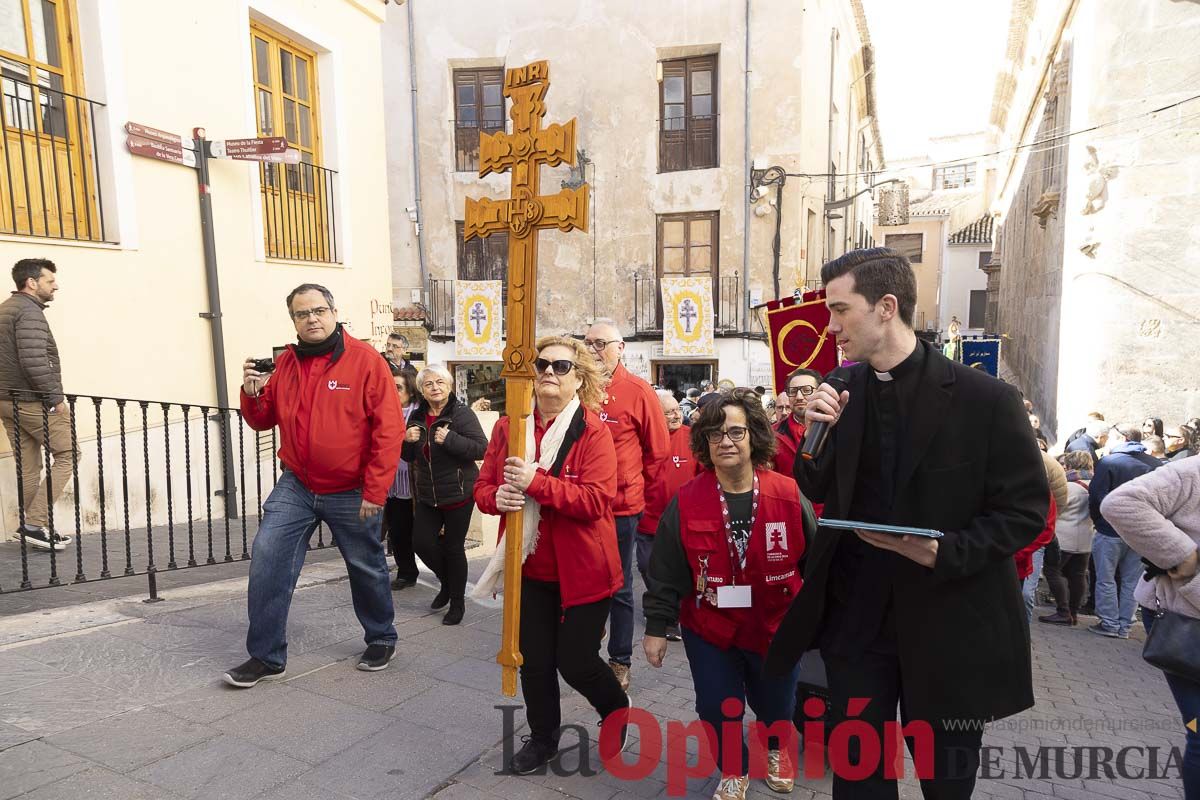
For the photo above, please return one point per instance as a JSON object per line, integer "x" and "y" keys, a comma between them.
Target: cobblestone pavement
{"x": 118, "y": 699}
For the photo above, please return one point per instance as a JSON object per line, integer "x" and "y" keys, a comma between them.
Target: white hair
{"x": 664, "y": 394}
{"x": 611, "y": 323}
{"x": 1095, "y": 427}
{"x": 435, "y": 369}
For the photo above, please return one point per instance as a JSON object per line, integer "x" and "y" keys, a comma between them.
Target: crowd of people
{"x": 716, "y": 498}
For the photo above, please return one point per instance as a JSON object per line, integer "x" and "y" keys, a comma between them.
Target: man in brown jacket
{"x": 32, "y": 406}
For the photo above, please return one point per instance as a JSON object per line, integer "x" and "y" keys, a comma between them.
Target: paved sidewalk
{"x": 119, "y": 699}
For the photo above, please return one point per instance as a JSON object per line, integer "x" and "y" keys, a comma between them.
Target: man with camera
{"x": 340, "y": 427}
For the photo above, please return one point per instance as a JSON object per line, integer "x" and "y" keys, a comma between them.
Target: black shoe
{"x": 532, "y": 756}
{"x": 625, "y": 729}
{"x": 403, "y": 583}
{"x": 250, "y": 673}
{"x": 376, "y": 657}
{"x": 673, "y": 634}
{"x": 1058, "y": 618}
{"x": 455, "y": 614}
{"x": 42, "y": 539}
{"x": 442, "y": 599}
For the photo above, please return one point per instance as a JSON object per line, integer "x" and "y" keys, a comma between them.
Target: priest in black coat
{"x": 934, "y": 626}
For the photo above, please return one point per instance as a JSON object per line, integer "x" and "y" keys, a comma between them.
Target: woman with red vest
{"x": 726, "y": 563}
{"x": 571, "y": 570}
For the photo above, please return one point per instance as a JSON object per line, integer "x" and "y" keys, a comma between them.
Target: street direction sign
{"x": 146, "y": 132}
{"x": 240, "y": 148}
{"x": 163, "y": 151}
{"x": 289, "y": 156}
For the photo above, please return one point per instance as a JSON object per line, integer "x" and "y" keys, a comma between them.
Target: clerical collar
{"x": 909, "y": 364}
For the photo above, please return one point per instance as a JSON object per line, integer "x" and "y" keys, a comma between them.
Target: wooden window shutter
{"x": 672, "y": 125}
{"x": 702, "y": 112}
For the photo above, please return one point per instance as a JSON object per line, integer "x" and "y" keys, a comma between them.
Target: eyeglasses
{"x": 804, "y": 390}
{"x": 598, "y": 344}
{"x": 561, "y": 366}
{"x": 735, "y": 434}
{"x": 440, "y": 382}
{"x": 305, "y": 313}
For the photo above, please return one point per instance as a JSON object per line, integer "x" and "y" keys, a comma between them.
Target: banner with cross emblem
{"x": 687, "y": 316}
{"x": 477, "y": 320}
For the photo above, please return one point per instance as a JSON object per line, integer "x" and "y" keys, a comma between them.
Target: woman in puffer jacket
{"x": 1158, "y": 515}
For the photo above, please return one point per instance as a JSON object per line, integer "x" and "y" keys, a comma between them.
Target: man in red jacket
{"x": 790, "y": 430}
{"x": 340, "y": 428}
{"x": 633, "y": 416}
{"x": 679, "y": 467}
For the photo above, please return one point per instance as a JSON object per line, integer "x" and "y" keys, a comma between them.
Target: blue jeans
{"x": 1030, "y": 584}
{"x": 1115, "y": 604}
{"x": 721, "y": 674}
{"x": 620, "y": 616}
{"x": 290, "y": 515}
{"x": 1187, "y": 697}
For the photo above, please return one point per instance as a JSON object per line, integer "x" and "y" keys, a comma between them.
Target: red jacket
{"x": 790, "y": 436}
{"x": 679, "y": 467}
{"x": 351, "y": 413}
{"x": 577, "y": 537}
{"x": 772, "y": 568}
{"x": 633, "y": 415}
{"x": 1024, "y": 556}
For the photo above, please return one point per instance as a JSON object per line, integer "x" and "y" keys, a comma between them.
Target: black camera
{"x": 265, "y": 365}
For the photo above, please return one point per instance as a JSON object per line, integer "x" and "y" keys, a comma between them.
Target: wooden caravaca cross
{"x": 523, "y": 152}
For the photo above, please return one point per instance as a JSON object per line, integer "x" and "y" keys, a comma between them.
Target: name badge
{"x": 733, "y": 596}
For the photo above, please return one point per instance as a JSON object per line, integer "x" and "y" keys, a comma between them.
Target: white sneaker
{"x": 781, "y": 775}
{"x": 732, "y": 788}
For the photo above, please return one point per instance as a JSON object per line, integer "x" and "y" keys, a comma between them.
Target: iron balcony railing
{"x": 466, "y": 142}
{"x": 728, "y": 305}
{"x": 300, "y": 211}
{"x": 49, "y": 184}
{"x": 155, "y": 487}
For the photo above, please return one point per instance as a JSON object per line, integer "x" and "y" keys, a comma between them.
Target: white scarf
{"x": 491, "y": 582}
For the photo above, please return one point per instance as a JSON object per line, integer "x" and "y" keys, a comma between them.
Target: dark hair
{"x": 1078, "y": 460}
{"x": 878, "y": 271}
{"x": 310, "y": 287}
{"x": 399, "y": 337}
{"x": 28, "y": 268}
{"x": 410, "y": 382}
{"x": 796, "y": 373}
{"x": 1156, "y": 425}
{"x": 763, "y": 443}
{"x": 693, "y": 393}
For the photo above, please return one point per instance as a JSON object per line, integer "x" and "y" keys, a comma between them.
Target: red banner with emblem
{"x": 798, "y": 331}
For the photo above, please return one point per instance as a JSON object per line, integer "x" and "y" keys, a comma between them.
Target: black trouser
{"x": 876, "y": 676}
{"x": 553, "y": 642}
{"x": 1067, "y": 579}
{"x": 439, "y": 538}
{"x": 1052, "y": 572}
{"x": 399, "y": 513}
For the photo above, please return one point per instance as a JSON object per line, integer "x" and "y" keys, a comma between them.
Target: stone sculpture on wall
{"x": 1097, "y": 187}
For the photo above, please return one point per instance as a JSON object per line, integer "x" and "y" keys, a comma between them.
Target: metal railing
{"x": 299, "y": 211}
{"x": 687, "y": 142}
{"x": 439, "y": 317}
{"x": 466, "y": 143}
{"x": 49, "y": 185}
{"x": 186, "y": 471}
{"x": 728, "y": 305}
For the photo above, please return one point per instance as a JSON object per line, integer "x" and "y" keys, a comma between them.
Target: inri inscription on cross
{"x": 523, "y": 152}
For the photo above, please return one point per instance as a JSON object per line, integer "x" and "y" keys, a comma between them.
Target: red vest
{"x": 676, "y": 470}
{"x": 772, "y": 560}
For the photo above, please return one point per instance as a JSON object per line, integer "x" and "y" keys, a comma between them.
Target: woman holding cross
{"x": 571, "y": 569}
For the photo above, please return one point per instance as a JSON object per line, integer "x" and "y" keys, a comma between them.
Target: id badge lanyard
{"x": 737, "y": 562}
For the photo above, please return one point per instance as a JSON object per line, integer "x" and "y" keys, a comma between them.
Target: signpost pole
{"x": 213, "y": 315}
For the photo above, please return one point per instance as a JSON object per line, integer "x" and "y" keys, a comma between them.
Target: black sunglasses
{"x": 561, "y": 366}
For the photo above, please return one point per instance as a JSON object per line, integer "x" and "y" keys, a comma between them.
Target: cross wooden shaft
{"x": 523, "y": 152}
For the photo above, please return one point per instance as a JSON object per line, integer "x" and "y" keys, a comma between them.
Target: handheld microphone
{"x": 818, "y": 432}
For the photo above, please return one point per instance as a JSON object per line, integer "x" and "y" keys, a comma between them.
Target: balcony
{"x": 299, "y": 212}
{"x": 439, "y": 316}
{"x": 728, "y": 305}
{"x": 49, "y": 186}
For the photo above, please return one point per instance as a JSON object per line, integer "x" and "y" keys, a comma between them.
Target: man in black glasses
{"x": 340, "y": 427}
{"x": 790, "y": 430}
{"x": 634, "y": 417}
{"x": 933, "y": 627}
